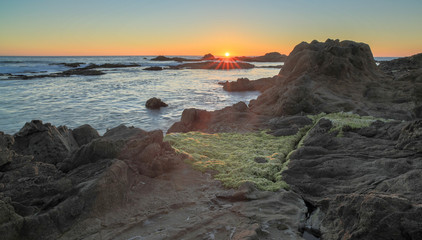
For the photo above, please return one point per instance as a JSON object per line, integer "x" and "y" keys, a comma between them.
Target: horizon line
{"x": 159, "y": 55}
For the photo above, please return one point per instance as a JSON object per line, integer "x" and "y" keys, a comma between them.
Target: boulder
{"x": 155, "y": 103}
{"x": 84, "y": 134}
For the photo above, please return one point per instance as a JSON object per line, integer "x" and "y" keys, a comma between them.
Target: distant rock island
{"x": 348, "y": 135}
{"x": 268, "y": 57}
{"x": 208, "y": 56}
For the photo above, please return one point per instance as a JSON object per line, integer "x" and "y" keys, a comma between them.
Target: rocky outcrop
{"x": 361, "y": 185}
{"x": 54, "y": 177}
{"x": 244, "y": 84}
{"x": 229, "y": 119}
{"x": 44, "y": 142}
{"x": 155, "y": 103}
{"x": 215, "y": 65}
{"x": 335, "y": 76}
{"x": 268, "y": 57}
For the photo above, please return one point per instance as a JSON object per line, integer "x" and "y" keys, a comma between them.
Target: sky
{"x": 197, "y": 27}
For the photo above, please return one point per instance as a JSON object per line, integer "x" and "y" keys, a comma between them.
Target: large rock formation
{"x": 51, "y": 178}
{"x": 335, "y": 76}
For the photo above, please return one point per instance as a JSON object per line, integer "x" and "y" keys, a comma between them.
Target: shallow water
{"x": 118, "y": 97}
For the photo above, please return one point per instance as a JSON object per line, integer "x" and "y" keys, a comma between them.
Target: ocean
{"x": 118, "y": 97}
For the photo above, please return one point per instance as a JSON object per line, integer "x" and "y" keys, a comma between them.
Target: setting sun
{"x": 227, "y": 54}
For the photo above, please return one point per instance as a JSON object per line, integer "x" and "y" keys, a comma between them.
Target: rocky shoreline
{"x": 349, "y": 176}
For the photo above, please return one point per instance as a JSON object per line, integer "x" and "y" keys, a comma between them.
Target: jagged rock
{"x": 360, "y": 184}
{"x": 37, "y": 200}
{"x": 84, "y": 134}
{"x": 155, "y": 103}
{"x": 45, "y": 142}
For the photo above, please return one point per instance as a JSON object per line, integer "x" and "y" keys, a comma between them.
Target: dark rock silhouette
{"x": 268, "y": 57}
{"x": 208, "y": 56}
{"x": 155, "y": 103}
{"x": 153, "y": 68}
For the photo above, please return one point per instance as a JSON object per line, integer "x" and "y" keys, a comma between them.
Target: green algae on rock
{"x": 234, "y": 156}
{"x": 345, "y": 119}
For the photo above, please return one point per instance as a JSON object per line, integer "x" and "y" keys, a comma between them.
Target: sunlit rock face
{"x": 334, "y": 76}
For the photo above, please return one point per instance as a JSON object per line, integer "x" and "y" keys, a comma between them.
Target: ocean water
{"x": 118, "y": 97}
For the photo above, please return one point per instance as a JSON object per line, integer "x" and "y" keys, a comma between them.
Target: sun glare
{"x": 227, "y": 54}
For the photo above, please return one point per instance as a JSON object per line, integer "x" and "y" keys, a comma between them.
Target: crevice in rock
{"x": 310, "y": 224}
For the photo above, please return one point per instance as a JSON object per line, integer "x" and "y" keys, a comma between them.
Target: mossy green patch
{"x": 342, "y": 119}
{"x": 232, "y": 156}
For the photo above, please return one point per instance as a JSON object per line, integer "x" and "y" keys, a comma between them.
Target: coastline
{"x": 347, "y": 174}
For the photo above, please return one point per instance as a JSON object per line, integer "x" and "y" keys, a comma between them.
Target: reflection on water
{"x": 117, "y": 97}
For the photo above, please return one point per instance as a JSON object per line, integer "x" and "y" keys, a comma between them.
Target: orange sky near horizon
{"x": 243, "y": 28}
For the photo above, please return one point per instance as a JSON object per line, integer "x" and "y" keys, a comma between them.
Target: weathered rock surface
{"x": 360, "y": 187}
{"x": 336, "y": 76}
{"x": 268, "y": 57}
{"x": 54, "y": 177}
{"x": 155, "y": 103}
{"x": 244, "y": 84}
